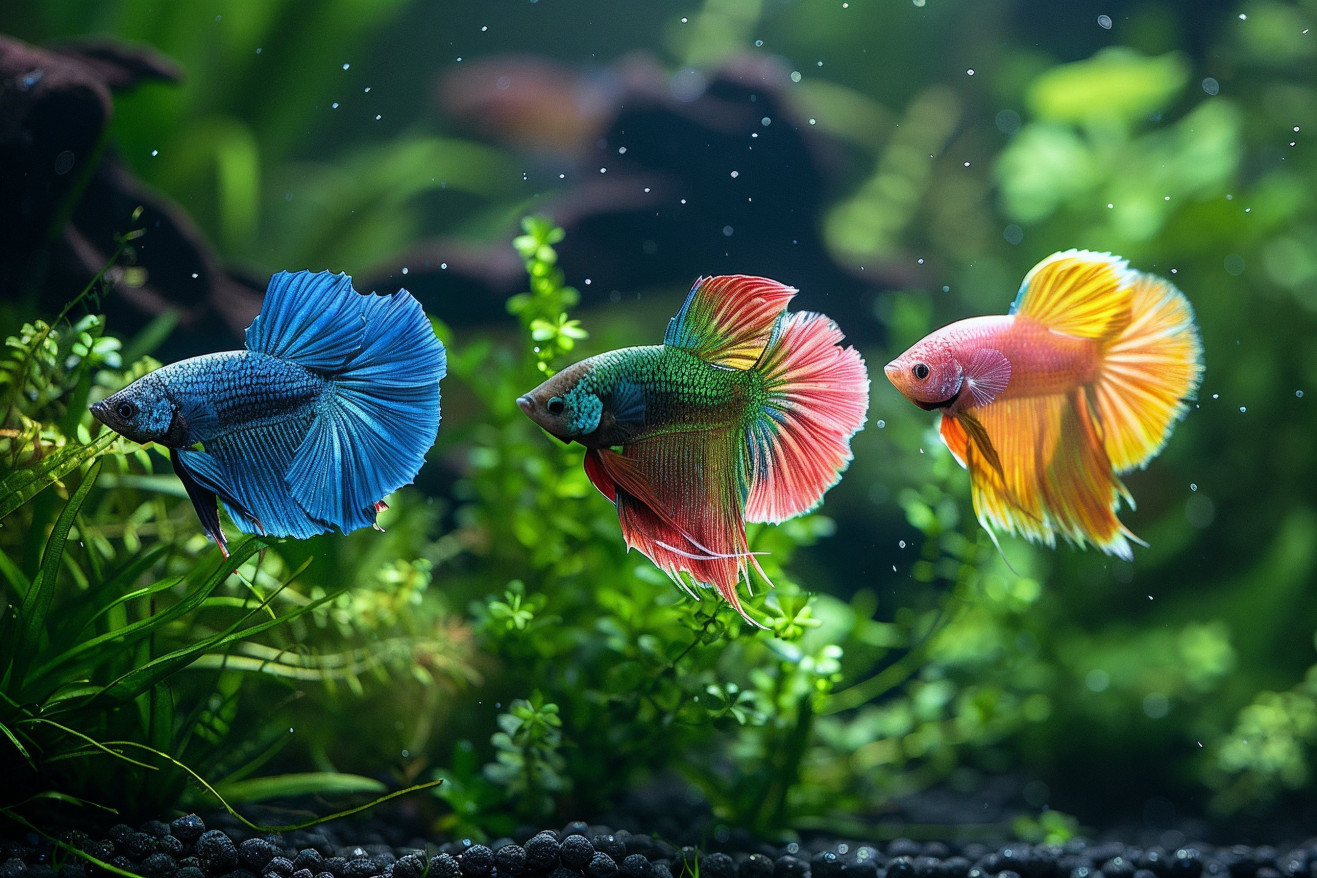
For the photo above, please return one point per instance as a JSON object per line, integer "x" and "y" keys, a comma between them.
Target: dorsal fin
{"x": 1077, "y": 293}
{"x": 314, "y": 320}
{"x": 729, "y": 320}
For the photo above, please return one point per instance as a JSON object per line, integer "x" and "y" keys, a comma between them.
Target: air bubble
{"x": 1104, "y": 22}
{"x": 1211, "y": 86}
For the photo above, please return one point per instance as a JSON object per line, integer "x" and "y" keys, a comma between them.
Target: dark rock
{"x": 755, "y": 866}
{"x": 638, "y": 866}
{"x": 607, "y": 843}
{"x": 576, "y": 851}
{"x": 510, "y": 859}
{"x": 825, "y": 864}
{"x": 542, "y": 852}
{"x": 601, "y": 866}
{"x": 279, "y": 867}
{"x": 310, "y": 859}
{"x": 188, "y": 828}
{"x": 159, "y": 866}
{"x": 13, "y": 868}
{"x": 217, "y": 852}
{"x": 444, "y": 866}
{"x": 787, "y": 866}
{"x": 255, "y": 853}
{"x": 410, "y": 866}
{"x": 478, "y": 860}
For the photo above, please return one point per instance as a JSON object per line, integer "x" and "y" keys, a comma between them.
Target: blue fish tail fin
{"x": 378, "y": 418}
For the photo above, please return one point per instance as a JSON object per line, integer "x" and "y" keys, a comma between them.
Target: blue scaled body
{"x": 332, "y": 406}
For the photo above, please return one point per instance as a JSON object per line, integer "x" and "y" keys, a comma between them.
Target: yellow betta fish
{"x": 1046, "y": 406}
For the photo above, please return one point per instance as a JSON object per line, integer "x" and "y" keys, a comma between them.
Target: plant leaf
{"x": 21, "y": 486}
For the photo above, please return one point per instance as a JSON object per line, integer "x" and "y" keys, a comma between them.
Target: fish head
{"x": 567, "y": 405}
{"x": 929, "y": 374}
{"x": 143, "y": 412}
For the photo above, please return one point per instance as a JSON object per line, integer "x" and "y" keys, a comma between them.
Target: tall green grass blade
{"x": 22, "y": 485}
{"x": 331, "y": 783}
{"x": 36, "y": 603}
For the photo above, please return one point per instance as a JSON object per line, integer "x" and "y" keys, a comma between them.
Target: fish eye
{"x": 555, "y": 405}
{"x": 920, "y": 371}
{"x": 126, "y": 410}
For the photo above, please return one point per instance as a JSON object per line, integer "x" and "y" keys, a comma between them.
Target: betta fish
{"x": 1048, "y": 405}
{"x": 332, "y": 406}
{"x": 744, "y": 413}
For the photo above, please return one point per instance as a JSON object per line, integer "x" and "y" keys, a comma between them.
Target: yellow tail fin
{"x": 1146, "y": 373}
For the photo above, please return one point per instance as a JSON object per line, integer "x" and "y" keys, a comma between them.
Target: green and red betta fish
{"x": 332, "y": 406}
{"x": 744, "y": 413}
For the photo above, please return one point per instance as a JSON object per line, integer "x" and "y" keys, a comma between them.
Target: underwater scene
{"x": 718, "y": 438}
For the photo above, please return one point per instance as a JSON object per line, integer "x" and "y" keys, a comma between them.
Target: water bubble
{"x": 1243, "y": 409}
{"x": 334, "y": 106}
{"x": 155, "y": 152}
{"x": 766, "y": 121}
{"x": 1097, "y": 680}
{"x": 1104, "y": 22}
{"x": 195, "y": 275}
{"x": 1013, "y": 234}
{"x": 64, "y": 162}
{"x": 603, "y": 170}
{"x": 880, "y": 423}
{"x": 1299, "y": 394}
{"x": 1211, "y": 86}
{"x": 813, "y": 121}
{"x": 919, "y": 3}
{"x": 1193, "y": 486}
{"x": 900, "y": 544}
{"x": 759, "y": 44}
{"x": 405, "y": 269}
{"x": 1156, "y": 705}
{"x": 735, "y": 174}
{"x": 366, "y": 89}
{"x": 727, "y": 231}
{"x": 346, "y": 66}
{"x": 378, "y": 117}
{"x": 1234, "y": 264}
{"x": 1008, "y": 121}
{"x": 795, "y": 77}
{"x": 969, "y": 72}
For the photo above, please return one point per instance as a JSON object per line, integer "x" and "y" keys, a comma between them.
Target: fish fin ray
{"x": 377, "y": 419}
{"x": 1147, "y": 373}
{"x": 978, "y": 434}
{"x": 1055, "y": 477}
{"x": 987, "y": 375}
{"x": 729, "y": 320}
{"x": 679, "y": 504}
{"x": 1077, "y": 293}
{"x": 313, "y": 319}
{"x": 246, "y": 470}
{"x": 817, "y": 397}
{"x": 598, "y": 475}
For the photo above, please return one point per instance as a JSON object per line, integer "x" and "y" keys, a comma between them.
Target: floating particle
{"x": 795, "y": 77}
{"x": 346, "y": 66}
{"x": 880, "y": 423}
{"x": 1211, "y": 86}
{"x": 1104, "y": 22}
{"x": 727, "y": 231}
{"x": 735, "y": 174}
{"x": 334, "y": 106}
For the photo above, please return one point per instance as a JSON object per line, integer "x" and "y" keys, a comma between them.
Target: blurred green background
{"x": 949, "y": 146}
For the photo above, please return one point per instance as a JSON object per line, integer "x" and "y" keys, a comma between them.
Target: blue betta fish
{"x": 332, "y": 406}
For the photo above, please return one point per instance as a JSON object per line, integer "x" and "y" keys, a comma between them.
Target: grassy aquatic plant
{"x": 125, "y": 658}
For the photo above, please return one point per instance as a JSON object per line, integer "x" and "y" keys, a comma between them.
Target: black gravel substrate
{"x": 188, "y": 848}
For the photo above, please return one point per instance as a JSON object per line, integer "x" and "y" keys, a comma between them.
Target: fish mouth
{"x": 526, "y": 404}
{"x": 892, "y": 370}
{"x": 101, "y": 412}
